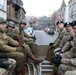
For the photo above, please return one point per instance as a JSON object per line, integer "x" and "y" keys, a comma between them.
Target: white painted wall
{"x": 66, "y": 15}
{"x": 3, "y": 14}
{"x": 70, "y": 8}
{"x": 3, "y": 9}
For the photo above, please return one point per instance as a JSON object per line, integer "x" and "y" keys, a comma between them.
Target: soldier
{"x": 10, "y": 51}
{"x": 10, "y": 48}
{"x": 9, "y": 31}
{"x": 63, "y": 47}
{"x": 29, "y": 42}
{"x": 67, "y": 60}
{"x": 62, "y": 31}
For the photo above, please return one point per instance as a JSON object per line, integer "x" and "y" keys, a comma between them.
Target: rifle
{"x": 20, "y": 38}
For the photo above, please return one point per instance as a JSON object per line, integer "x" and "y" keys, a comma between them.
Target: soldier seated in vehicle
{"x": 67, "y": 60}
{"x": 12, "y": 52}
{"x": 29, "y": 42}
{"x": 57, "y": 42}
{"x": 9, "y": 31}
{"x": 64, "y": 45}
{"x": 11, "y": 49}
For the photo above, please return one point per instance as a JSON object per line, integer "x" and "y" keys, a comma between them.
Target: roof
{"x": 63, "y": 4}
{"x": 24, "y": 10}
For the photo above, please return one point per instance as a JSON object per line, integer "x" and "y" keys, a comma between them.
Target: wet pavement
{"x": 43, "y": 38}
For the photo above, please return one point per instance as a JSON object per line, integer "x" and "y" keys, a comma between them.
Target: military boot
{"x": 55, "y": 70}
{"x": 36, "y": 60}
{"x": 22, "y": 72}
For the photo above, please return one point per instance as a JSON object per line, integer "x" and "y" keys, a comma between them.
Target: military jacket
{"x": 6, "y": 41}
{"x": 65, "y": 45}
{"x": 70, "y": 56}
{"x": 60, "y": 36}
{"x": 11, "y": 34}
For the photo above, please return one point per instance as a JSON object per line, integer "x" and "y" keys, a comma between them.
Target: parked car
{"x": 51, "y": 32}
{"x": 46, "y": 29}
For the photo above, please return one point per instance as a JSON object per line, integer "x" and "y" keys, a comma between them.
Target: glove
{"x": 61, "y": 52}
{"x": 52, "y": 47}
{"x": 33, "y": 37}
{"x": 50, "y": 44}
{"x": 70, "y": 39}
{"x": 58, "y": 53}
{"x": 57, "y": 59}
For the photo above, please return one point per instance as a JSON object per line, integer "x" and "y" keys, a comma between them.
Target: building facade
{"x": 66, "y": 14}
{"x": 60, "y": 14}
{"x": 3, "y": 9}
{"x": 15, "y": 11}
{"x": 63, "y": 13}
{"x": 72, "y": 10}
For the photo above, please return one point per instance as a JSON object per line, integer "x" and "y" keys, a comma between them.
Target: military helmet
{"x": 11, "y": 24}
{"x": 59, "y": 22}
{"x": 2, "y": 20}
{"x": 23, "y": 22}
{"x": 67, "y": 24}
{"x": 73, "y": 23}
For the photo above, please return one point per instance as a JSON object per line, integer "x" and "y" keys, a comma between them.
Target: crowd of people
{"x": 16, "y": 46}
{"x": 62, "y": 52}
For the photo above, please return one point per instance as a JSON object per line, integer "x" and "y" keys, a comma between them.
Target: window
{"x": 16, "y": 14}
{"x": 8, "y": 8}
{"x": 74, "y": 5}
{"x": 17, "y": 1}
{"x": 3, "y": 5}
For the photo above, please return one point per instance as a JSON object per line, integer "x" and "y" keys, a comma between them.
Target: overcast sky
{"x": 41, "y": 7}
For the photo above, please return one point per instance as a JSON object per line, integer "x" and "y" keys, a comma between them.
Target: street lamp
{"x": 49, "y": 14}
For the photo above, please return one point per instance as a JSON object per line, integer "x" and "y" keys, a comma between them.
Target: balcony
{"x": 16, "y": 2}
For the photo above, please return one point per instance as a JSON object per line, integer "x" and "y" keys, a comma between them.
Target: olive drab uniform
{"x": 73, "y": 72}
{"x": 60, "y": 37}
{"x": 31, "y": 43}
{"x": 50, "y": 53}
{"x": 68, "y": 60}
{"x": 64, "y": 45}
{"x": 15, "y": 37}
{"x": 30, "y": 54}
{"x": 11, "y": 34}
{"x": 27, "y": 41}
{"x": 14, "y": 52}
